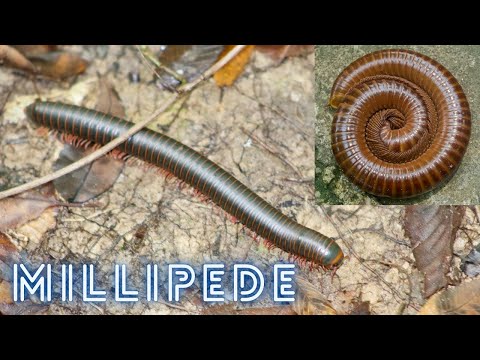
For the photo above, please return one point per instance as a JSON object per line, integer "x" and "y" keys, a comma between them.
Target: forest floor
{"x": 262, "y": 131}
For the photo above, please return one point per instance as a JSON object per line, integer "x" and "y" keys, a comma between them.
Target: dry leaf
{"x": 432, "y": 231}
{"x": 94, "y": 179}
{"x": 280, "y": 52}
{"x": 23, "y": 309}
{"x": 29, "y": 50}
{"x": 14, "y": 58}
{"x": 310, "y": 301}
{"x": 361, "y": 308}
{"x": 461, "y": 300}
{"x": 59, "y": 65}
{"x": 187, "y": 61}
{"x": 108, "y": 99}
{"x": 230, "y": 309}
{"x": 471, "y": 263}
{"x": 5, "y": 293}
{"x": 9, "y": 255}
{"x": 227, "y": 75}
{"x": 18, "y": 210}
{"x": 6, "y": 246}
{"x": 34, "y": 230}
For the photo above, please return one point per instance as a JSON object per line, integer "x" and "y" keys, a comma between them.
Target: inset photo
{"x": 397, "y": 124}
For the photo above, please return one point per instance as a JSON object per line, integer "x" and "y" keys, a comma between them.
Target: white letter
{"x": 182, "y": 282}
{"x": 152, "y": 282}
{"x": 66, "y": 276}
{"x": 285, "y": 277}
{"x": 89, "y": 292}
{"x": 121, "y": 292}
{"x": 37, "y": 281}
{"x": 253, "y": 273}
{"x": 213, "y": 292}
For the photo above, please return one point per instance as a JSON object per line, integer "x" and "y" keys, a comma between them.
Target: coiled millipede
{"x": 196, "y": 170}
{"x": 402, "y": 123}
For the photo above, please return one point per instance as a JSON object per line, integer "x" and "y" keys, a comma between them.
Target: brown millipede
{"x": 196, "y": 170}
{"x": 402, "y": 123}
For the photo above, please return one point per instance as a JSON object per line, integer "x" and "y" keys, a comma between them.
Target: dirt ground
{"x": 275, "y": 103}
{"x": 332, "y": 187}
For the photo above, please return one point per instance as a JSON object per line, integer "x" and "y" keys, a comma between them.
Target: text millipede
{"x": 402, "y": 123}
{"x": 196, "y": 170}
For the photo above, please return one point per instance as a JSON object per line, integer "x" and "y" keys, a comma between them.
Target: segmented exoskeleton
{"x": 196, "y": 170}
{"x": 402, "y": 124}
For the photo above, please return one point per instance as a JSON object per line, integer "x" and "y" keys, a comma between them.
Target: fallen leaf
{"x": 310, "y": 301}
{"x": 280, "y": 52}
{"x": 227, "y": 75}
{"x": 29, "y": 50}
{"x": 108, "y": 99}
{"x": 18, "y": 210}
{"x": 94, "y": 179}
{"x": 432, "y": 231}
{"x": 8, "y": 256}
{"x": 361, "y": 308}
{"x": 26, "y": 308}
{"x": 6, "y": 245}
{"x": 460, "y": 300}
{"x": 471, "y": 263}
{"x": 8, "y": 253}
{"x": 5, "y": 293}
{"x": 15, "y": 59}
{"x": 59, "y": 65}
{"x": 230, "y": 309}
{"x": 35, "y": 229}
{"x": 186, "y": 61}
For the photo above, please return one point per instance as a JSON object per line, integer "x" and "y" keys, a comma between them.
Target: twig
{"x": 217, "y": 66}
{"x": 150, "y": 58}
{"x": 130, "y": 132}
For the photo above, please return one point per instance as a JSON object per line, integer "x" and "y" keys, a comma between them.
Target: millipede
{"x": 196, "y": 170}
{"x": 402, "y": 123}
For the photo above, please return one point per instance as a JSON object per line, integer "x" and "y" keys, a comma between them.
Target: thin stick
{"x": 130, "y": 132}
{"x": 149, "y": 59}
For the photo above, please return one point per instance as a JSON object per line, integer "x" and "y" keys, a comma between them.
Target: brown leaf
{"x": 230, "y": 309}
{"x": 108, "y": 99}
{"x": 59, "y": 65}
{"x": 94, "y": 179}
{"x": 29, "y": 50}
{"x": 460, "y": 300}
{"x": 26, "y": 308}
{"x": 5, "y": 293}
{"x": 6, "y": 245}
{"x": 9, "y": 255}
{"x": 227, "y": 75}
{"x": 188, "y": 61}
{"x": 280, "y": 52}
{"x": 432, "y": 231}
{"x": 15, "y": 59}
{"x": 18, "y": 210}
{"x": 361, "y": 308}
{"x": 310, "y": 301}
{"x": 471, "y": 263}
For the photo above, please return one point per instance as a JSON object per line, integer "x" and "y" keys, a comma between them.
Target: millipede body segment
{"x": 196, "y": 170}
{"x": 402, "y": 123}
